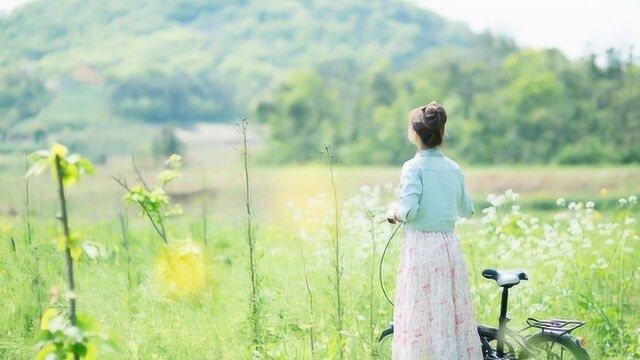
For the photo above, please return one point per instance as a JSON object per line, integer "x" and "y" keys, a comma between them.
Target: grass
{"x": 587, "y": 271}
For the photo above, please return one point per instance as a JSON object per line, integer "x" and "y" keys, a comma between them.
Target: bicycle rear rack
{"x": 556, "y": 326}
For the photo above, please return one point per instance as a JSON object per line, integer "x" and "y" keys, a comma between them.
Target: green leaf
{"x": 38, "y": 168}
{"x": 90, "y": 249}
{"x": 48, "y": 314}
{"x": 86, "y": 166}
{"x": 44, "y": 353}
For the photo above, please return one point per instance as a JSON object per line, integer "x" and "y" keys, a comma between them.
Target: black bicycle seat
{"x": 505, "y": 278}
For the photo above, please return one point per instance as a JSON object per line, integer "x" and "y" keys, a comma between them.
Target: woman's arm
{"x": 410, "y": 192}
{"x": 465, "y": 203}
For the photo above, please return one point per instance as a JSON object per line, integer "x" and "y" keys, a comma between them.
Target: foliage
{"x": 572, "y": 254}
{"x": 177, "y": 98}
{"x": 72, "y": 166}
{"x": 22, "y": 96}
{"x": 60, "y": 340}
{"x": 153, "y": 201}
{"x": 504, "y": 107}
{"x": 344, "y": 73}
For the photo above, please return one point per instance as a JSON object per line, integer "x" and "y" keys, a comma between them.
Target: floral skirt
{"x": 434, "y": 317}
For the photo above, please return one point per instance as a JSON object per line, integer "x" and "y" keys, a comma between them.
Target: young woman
{"x": 434, "y": 317}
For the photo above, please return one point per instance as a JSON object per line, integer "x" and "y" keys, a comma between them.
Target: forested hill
{"x": 340, "y": 72}
{"x": 227, "y": 38}
{"x": 220, "y": 55}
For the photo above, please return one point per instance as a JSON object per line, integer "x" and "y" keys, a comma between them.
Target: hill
{"x": 97, "y": 74}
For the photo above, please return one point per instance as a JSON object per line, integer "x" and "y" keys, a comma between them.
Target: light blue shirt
{"x": 432, "y": 192}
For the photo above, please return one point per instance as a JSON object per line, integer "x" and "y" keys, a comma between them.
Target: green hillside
{"x": 316, "y": 71}
{"x": 216, "y": 56}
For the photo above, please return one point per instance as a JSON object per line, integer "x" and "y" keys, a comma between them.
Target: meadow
{"x": 573, "y": 228}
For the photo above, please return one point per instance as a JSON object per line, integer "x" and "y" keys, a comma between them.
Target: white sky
{"x": 8, "y": 5}
{"x": 570, "y": 25}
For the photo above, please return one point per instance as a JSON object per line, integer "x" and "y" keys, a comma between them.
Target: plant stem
{"x": 204, "y": 211}
{"x": 29, "y": 235}
{"x": 251, "y": 241}
{"x": 330, "y": 158}
{"x": 159, "y": 228}
{"x": 65, "y": 226}
{"x": 162, "y": 231}
{"x": 309, "y": 297}
{"x": 27, "y": 204}
{"x": 124, "y": 230}
{"x": 372, "y": 323}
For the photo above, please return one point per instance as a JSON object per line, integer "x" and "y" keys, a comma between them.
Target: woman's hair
{"x": 428, "y": 122}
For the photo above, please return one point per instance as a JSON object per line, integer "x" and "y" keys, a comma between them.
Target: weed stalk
{"x": 254, "y": 316}
{"x": 337, "y": 262}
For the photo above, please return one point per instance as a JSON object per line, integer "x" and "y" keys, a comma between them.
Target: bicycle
{"x": 553, "y": 341}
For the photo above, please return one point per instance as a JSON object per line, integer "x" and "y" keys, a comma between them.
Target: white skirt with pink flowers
{"x": 434, "y": 317}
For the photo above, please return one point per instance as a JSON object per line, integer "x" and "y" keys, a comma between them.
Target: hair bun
{"x": 433, "y": 116}
{"x": 428, "y": 122}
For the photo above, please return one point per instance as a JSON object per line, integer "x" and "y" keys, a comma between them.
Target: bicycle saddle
{"x": 505, "y": 278}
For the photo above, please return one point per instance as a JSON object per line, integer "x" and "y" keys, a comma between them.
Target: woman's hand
{"x": 391, "y": 216}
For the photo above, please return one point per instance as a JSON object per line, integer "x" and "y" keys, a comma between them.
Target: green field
{"x": 581, "y": 258}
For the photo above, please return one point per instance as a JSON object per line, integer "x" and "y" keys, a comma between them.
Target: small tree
{"x": 78, "y": 336}
{"x": 180, "y": 267}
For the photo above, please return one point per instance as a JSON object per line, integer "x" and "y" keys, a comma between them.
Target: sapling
{"x": 180, "y": 265}
{"x": 77, "y": 336}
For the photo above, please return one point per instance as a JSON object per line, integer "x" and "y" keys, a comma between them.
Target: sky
{"x": 574, "y": 26}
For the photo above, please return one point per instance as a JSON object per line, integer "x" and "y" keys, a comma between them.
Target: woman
{"x": 434, "y": 316}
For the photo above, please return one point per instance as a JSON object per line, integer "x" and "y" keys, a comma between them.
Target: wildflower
{"x": 603, "y": 192}
{"x": 622, "y": 201}
{"x": 180, "y": 269}
{"x": 174, "y": 161}
{"x": 560, "y": 202}
{"x": 633, "y": 199}
{"x": 590, "y": 204}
